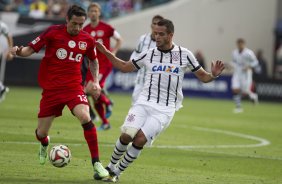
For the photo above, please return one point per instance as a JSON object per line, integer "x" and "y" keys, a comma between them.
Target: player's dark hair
{"x": 157, "y": 17}
{"x": 168, "y": 24}
{"x": 77, "y": 11}
{"x": 241, "y": 40}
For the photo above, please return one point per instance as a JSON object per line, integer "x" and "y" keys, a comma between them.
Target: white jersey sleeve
{"x": 139, "y": 61}
{"x": 192, "y": 63}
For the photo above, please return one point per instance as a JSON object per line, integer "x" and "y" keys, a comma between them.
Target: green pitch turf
{"x": 205, "y": 144}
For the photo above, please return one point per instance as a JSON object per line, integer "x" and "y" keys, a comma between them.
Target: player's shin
{"x": 131, "y": 154}
{"x": 90, "y": 135}
{"x": 118, "y": 152}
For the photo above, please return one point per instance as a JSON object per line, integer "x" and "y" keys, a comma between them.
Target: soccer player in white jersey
{"x": 145, "y": 42}
{"x": 161, "y": 95}
{"x": 6, "y": 42}
{"x": 243, "y": 62}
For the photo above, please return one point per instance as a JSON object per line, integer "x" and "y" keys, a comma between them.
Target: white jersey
{"x": 164, "y": 76}
{"x": 145, "y": 43}
{"x": 242, "y": 61}
{"x": 4, "y": 30}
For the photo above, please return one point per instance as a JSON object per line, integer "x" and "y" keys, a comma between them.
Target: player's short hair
{"x": 168, "y": 24}
{"x": 96, "y": 5}
{"x": 240, "y": 40}
{"x": 77, "y": 11}
{"x": 157, "y": 17}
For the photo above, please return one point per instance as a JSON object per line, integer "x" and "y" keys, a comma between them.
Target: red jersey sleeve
{"x": 40, "y": 41}
{"x": 91, "y": 52}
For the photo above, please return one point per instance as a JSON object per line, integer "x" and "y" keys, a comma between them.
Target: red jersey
{"x": 102, "y": 33}
{"x": 60, "y": 68}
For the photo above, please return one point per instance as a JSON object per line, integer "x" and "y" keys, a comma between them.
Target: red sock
{"x": 90, "y": 135}
{"x": 104, "y": 99}
{"x": 101, "y": 111}
{"x": 44, "y": 140}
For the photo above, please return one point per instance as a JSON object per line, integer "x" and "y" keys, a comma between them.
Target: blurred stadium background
{"x": 208, "y": 27}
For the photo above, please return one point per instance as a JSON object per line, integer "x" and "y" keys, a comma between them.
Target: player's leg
{"x": 41, "y": 132}
{"x": 237, "y": 96}
{"x": 155, "y": 123}
{"x": 80, "y": 109}
{"x": 247, "y": 88}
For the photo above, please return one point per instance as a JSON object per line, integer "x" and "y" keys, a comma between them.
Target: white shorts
{"x": 242, "y": 82}
{"x": 148, "y": 119}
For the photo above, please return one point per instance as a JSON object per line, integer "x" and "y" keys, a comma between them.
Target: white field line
{"x": 261, "y": 141}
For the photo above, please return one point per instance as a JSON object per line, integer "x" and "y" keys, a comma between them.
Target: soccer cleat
{"x": 100, "y": 171}
{"x": 113, "y": 178}
{"x": 238, "y": 110}
{"x": 104, "y": 127}
{"x": 97, "y": 177}
{"x": 3, "y": 93}
{"x": 43, "y": 150}
{"x": 109, "y": 110}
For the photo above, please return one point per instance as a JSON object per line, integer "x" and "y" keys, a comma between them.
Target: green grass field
{"x": 205, "y": 144}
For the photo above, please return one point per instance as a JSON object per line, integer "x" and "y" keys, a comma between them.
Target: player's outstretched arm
{"x": 22, "y": 51}
{"x": 216, "y": 69}
{"x": 117, "y": 63}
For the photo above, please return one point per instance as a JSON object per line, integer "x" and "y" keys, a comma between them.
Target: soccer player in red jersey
{"x": 101, "y": 32}
{"x": 60, "y": 79}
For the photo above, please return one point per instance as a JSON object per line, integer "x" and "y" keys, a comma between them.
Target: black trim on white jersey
{"x": 159, "y": 88}
{"x": 180, "y": 53}
{"x": 161, "y": 60}
{"x": 194, "y": 67}
{"x": 149, "y": 95}
{"x": 197, "y": 68}
{"x": 176, "y": 89}
{"x": 135, "y": 61}
{"x": 151, "y": 60}
{"x": 170, "y": 56}
{"x": 168, "y": 87}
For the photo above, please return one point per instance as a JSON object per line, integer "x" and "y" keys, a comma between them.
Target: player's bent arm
{"x": 94, "y": 69}
{"x": 216, "y": 70}
{"x": 118, "y": 40}
{"x": 22, "y": 51}
{"x": 204, "y": 76}
{"x": 120, "y": 64}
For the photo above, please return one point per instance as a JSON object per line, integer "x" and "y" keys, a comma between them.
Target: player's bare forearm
{"x": 117, "y": 46}
{"x": 94, "y": 69}
{"x": 120, "y": 64}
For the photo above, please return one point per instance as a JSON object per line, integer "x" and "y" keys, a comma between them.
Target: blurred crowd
{"x": 58, "y": 8}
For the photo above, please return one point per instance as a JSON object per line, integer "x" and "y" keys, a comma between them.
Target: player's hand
{"x": 217, "y": 68}
{"x": 101, "y": 47}
{"x": 16, "y": 50}
{"x": 9, "y": 56}
{"x": 93, "y": 88}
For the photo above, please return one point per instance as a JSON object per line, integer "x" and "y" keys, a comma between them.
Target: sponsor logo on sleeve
{"x": 35, "y": 40}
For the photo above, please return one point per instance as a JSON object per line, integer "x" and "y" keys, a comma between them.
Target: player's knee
{"x": 140, "y": 139}
{"x": 130, "y": 131}
{"x": 83, "y": 117}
